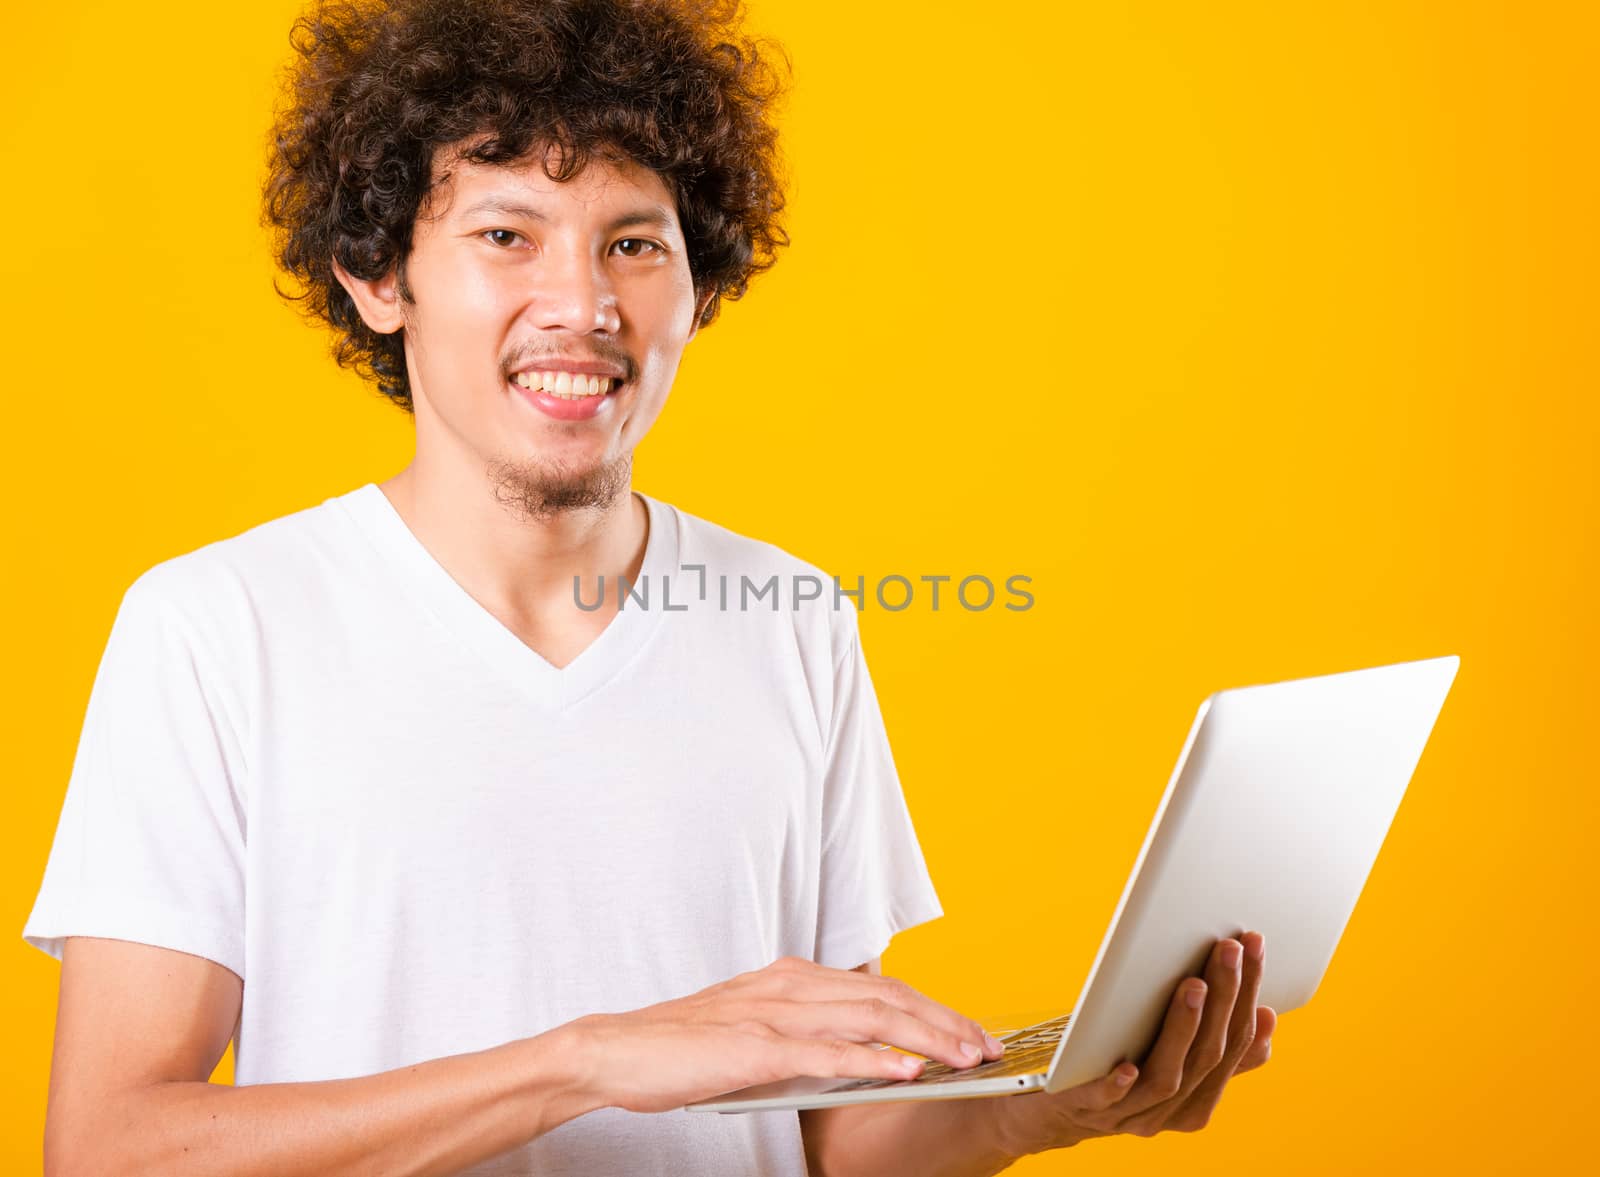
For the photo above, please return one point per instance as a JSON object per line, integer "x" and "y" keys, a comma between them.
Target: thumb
{"x": 1099, "y": 1094}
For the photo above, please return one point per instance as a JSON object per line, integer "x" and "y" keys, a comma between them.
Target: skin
{"x": 140, "y": 1029}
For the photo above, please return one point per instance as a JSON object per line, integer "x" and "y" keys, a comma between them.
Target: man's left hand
{"x": 1213, "y": 1031}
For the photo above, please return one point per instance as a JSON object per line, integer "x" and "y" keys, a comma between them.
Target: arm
{"x": 139, "y": 1030}
{"x": 1212, "y": 1032}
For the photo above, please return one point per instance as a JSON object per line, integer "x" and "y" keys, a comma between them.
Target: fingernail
{"x": 1230, "y": 954}
{"x": 994, "y": 1044}
{"x": 1259, "y": 948}
{"x": 911, "y": 1066}
{"x": 1196, "y": 997}
{"x": 1123, "y": 1078}
{"x": 971, "y": 1052}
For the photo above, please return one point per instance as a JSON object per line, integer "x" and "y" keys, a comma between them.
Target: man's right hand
{"x": 792, "y": 1018}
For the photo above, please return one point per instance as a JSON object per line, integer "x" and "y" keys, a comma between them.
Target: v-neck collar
{"x": 557, "y": 687}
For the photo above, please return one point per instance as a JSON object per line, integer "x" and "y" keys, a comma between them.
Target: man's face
{"x": 525, "y": 291}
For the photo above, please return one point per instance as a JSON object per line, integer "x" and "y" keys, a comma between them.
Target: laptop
{"x": 1271, "y": 822}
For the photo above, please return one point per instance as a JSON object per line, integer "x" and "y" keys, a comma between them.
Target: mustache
{"x": 602, "y": 353}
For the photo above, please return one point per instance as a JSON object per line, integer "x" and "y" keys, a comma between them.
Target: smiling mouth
{"x": 566, "y": 385}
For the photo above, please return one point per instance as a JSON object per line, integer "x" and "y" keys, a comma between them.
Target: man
{"x": 475, "y": 873}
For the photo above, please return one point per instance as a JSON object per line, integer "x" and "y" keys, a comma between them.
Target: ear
{"x": 700, "y": 309}
{"x": 377, "y": 301}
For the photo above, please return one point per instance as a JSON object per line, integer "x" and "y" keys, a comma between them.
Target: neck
{"x": 521, "y": 569}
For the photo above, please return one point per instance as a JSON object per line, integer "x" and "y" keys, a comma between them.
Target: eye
{"x": 496, "y": 236}
{"x": 640, "y": 241}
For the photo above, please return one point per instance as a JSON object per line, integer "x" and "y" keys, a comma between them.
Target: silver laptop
{"x": 1271, "y": 822}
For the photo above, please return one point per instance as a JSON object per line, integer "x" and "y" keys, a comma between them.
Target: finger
{"x": 1099, "y": 1094}
{"x": 797, "y": 979}
{"x": 839, "y": 1058}
{"x": 1211, "y": 1039}
{"x": 1195, "y": 1110}
{"x": 1242, "y": 1030}
{"x": 902, "y": 996}
{"x": 869, "y": 1019}
{"x": 1163, "y": 1068}
{"x": 1261, "y": 1049}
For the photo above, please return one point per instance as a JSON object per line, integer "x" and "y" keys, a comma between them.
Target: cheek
{"x": 458, "y": 287}
{"x": 649, "y": 393}
{"x": 467, "y": 303}
{"x": 459, "y": 330}
{"x": 647, "y": 410}
{"x": 663, "y": 306}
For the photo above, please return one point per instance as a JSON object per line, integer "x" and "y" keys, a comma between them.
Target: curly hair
{"x": 378, "y": 88}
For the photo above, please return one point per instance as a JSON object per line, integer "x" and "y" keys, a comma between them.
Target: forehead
{"x": 602, "y": 187}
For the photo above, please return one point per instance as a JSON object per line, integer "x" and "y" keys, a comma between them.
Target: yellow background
{"x": 1260, "y": 335}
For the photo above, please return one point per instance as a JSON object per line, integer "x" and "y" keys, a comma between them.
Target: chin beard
{"x": 534, "y": 490}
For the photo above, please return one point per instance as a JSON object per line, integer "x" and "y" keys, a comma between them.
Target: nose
{"x": 573, "y": 291}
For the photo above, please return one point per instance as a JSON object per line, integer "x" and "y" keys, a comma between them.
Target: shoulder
{"x": 701, "y": 538}
{"x": 756, "y": 577}
{"x": 279, "y": 549}
{"x": 218, "y": 594}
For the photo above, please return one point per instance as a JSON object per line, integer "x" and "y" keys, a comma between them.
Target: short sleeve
{"x": 150, "y": 843}
{"x": 874, "y": 881}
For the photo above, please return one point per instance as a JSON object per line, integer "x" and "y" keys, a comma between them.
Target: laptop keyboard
{"x": 1028, "y": 1052}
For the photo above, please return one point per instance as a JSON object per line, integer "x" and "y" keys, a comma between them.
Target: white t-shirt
{"x": 311, "y": 756}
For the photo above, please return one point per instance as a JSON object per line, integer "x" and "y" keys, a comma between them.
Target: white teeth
{"x": 566, "y": 385}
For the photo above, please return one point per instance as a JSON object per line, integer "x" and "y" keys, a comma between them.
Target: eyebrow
{"x": 655, "y": 216}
